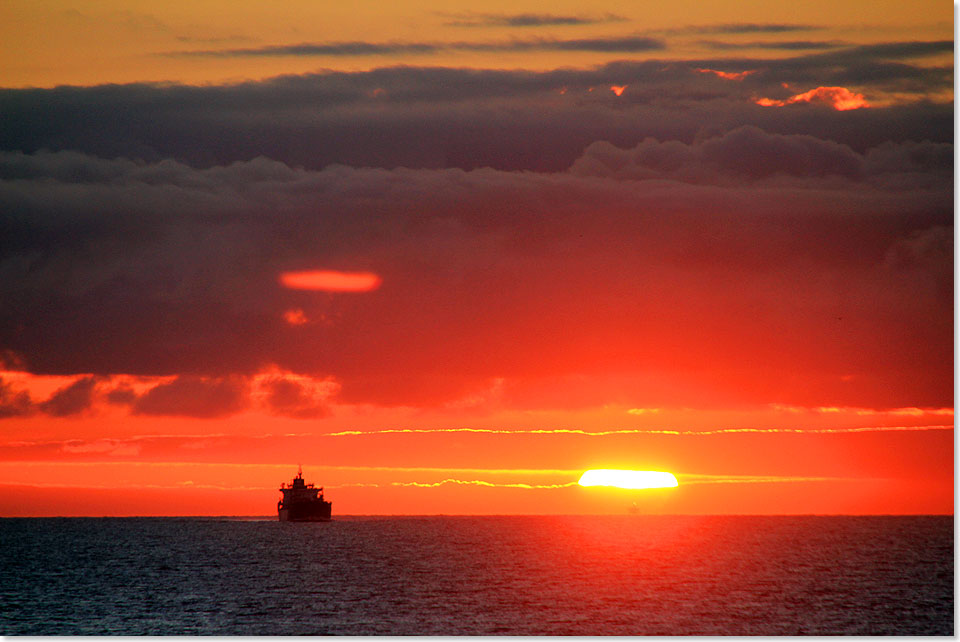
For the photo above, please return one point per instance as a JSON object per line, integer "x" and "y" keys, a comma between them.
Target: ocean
{"x": 503, "y": 575}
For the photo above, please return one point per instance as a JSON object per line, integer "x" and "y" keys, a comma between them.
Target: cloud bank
{"x": 439, "y": 118}
{"x": 640, "y": 233}
{"x": 622, "y": 44}
{"x": 760, "y": 263}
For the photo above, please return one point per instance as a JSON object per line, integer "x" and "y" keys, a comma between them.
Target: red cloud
{"x": 840, "y": 98}
{"x": 330, "y": 281}
{"x": 295, "y": 317}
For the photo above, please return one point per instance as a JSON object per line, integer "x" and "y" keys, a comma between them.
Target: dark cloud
{"x": 713, "y": 262}
{"x": 624, "y": 44}
{"x": 878, "y": 65}
{"x": 615, "y": 45}
{"x": 195, "y": 397}
{"x": 874, "y": 68}
{"x": 321, "y": 49}
{"x": 14, "y": 403}
{"x": 929, "y": 252}
{"x": 919, "y": 163}
{"x": 747, "y": 27}
{"x": 185, "y": 396}
{"x": 749, "y": 153}
{"x": 292, "y": 399}
{"x": 435, "y": 117}
{"x": 71, "y": 399}
{"x": 122, "y": 395}
{"x": 207, "y": 40}
{"x": 528, "y": 227}
{"x": 890, "y": 50}
{"x": 525, "y": 20}
{"x": 775, "y": 44}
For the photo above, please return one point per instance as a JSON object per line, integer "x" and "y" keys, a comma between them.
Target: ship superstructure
{"x": 302, "y": 502}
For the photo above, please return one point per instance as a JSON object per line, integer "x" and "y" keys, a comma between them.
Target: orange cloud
{"x": 728, "y": 75}
{"x": 618, "y": 89}
{"x": 840, "y": 98}
{"x": 330, "y": 281}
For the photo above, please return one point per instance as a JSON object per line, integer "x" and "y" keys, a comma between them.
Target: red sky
{"x": 448, "y": 258}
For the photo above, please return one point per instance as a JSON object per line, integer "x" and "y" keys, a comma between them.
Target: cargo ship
{"x": 302, "y": 502}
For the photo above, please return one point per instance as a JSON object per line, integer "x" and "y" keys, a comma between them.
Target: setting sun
{"x": 630, "y": 479}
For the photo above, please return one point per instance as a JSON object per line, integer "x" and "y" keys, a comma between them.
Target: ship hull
{"x": 308, "y": 513}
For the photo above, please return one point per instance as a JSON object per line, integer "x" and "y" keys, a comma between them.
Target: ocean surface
{"x": 565, "y": 575}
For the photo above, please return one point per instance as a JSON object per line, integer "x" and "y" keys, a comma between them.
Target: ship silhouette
{"x": 302, "y": 502}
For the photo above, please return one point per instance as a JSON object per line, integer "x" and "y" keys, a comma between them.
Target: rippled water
{"x": 589, "y": 575}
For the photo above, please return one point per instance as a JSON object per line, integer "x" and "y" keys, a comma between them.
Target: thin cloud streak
{"x": 286, "y": 466}
{"x": 695, "y": 479}
{"x": 156, "y": 437}
{"x": 774, "y": 44}
{"x": 119, "y": 447}
{"x": 742, "y": 27}
{"x": 524, "y": 20}
{"x": 637, "y": 431}
{"x": 478, "y": 482}
{"x": 179, "y": 486}
{"x": 487, "y": 471}
{"x": 880, "y": 55}
{"x": 624, "y": 44}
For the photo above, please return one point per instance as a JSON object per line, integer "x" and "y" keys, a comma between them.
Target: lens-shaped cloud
{"x": 330, "y": 281}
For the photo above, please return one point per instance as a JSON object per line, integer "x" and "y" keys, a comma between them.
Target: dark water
{"x": 618, "y": 575}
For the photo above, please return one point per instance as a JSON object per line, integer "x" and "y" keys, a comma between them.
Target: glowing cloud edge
{"x": 629, "y": 479}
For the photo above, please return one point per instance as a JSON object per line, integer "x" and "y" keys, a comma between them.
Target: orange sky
{"x": 476, "y": 457}
{"x": 46, "y": 43}
{"x": 741, "y": 275}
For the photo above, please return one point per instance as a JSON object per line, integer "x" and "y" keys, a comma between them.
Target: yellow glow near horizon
{"x": 630, "y": 479}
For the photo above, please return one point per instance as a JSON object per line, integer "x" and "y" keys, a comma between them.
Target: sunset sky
{"x": 448, "y": 256}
